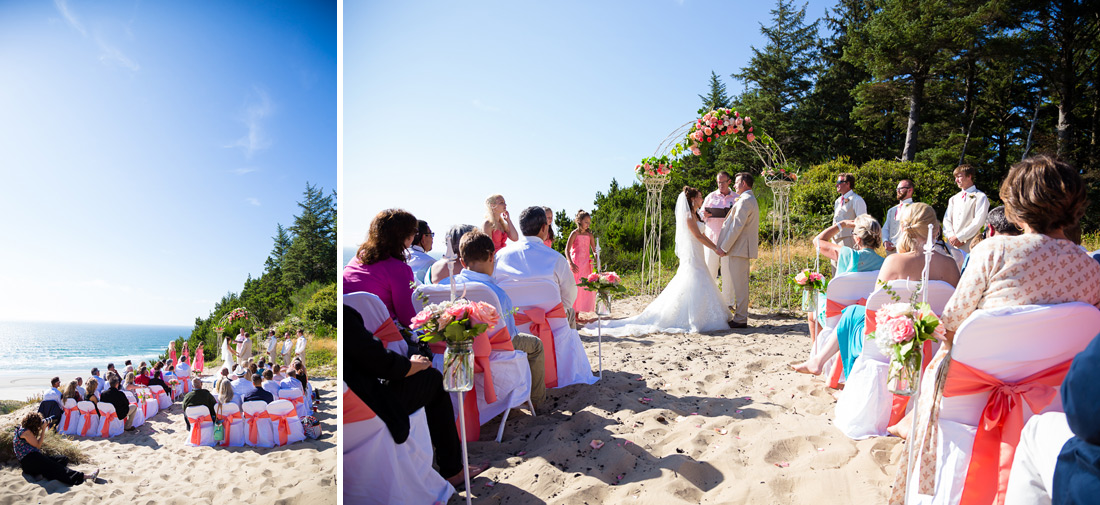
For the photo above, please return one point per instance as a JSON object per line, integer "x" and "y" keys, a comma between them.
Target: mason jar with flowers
{"x": 457, "y": 323}
{"x": 900, "y": 333}
{"x": 810, "y": 283}
{"x": 603, "y": 284}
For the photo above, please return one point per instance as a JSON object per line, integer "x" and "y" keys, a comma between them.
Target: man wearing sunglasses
{"x": 890, "y": 228}
{"x": 848, "y": 206}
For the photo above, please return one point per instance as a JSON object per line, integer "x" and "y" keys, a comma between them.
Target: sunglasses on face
{"x": 841, "y": 182}
{"x": 903, "y": 188}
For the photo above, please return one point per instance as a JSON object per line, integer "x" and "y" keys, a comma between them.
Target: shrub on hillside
{"x": 321, "y": 307}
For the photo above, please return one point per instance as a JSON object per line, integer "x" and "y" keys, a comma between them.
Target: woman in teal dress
{"x": 863, "y": 258}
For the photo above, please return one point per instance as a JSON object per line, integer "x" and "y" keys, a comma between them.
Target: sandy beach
{"x": 20, "y": 386}
{"x": 155, "y": 465}
{"x": 715, "y": 418}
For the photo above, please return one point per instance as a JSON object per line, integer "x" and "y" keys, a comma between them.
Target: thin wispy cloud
{"x": 478, "y": 104}
{"x": 111, "y": 54}
{"x": 245, "y": 170}
{"x": 253, "y": 201}
{"x": 257, "y": 109}
{"x": 70, "y": 17}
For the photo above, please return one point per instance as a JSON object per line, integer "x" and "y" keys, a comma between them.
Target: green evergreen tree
{"x": 312, "y": 252}
{"x": 717, "y": 97}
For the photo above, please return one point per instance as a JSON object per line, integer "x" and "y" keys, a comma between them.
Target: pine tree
{"x": 312, "y": 252}
{"x": 274, "y": 261}
{"x": 717, "y": 97}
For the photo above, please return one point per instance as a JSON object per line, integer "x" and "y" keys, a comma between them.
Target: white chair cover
{"x": 374, "y": 313}
{"x": 1009, "y": 343}
{"x": 1032, "y": 477}
{"x": 202, "y": 426}
{"x": 376, "y": 469}
{"x": 511, "y": 370}
{"x": 69, "y": 418}
{"x": 257, "y": 425}
{"x": 109, "y": 423}
{"x": 863, "y": 409}
{"x": 573, "y": 365}
{"x": 295, "y": 396}
{"x": 163, "y": 401}
{"x": 87, "y": 425}
{"x": 183, "y": 372}
{"x": 135, "y": 405}
{"x": 149, "y": 404}
{"x": 233, "y": 422}
{"x": 286, "y": 428}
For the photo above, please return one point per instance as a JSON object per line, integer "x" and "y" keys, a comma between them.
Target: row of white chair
{"x": 81, "y": 419}
{"x": 256, "y": 424}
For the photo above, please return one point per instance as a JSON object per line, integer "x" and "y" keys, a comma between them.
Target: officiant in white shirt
{"x": 530, "y": 259}
{"x": 847, "y": 207}
{"x": 966, "y": 214}
{"x": 890, "y": 228}
{"x": 721, "y": 198}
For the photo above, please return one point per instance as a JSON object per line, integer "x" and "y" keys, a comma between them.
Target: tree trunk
{"x": 1031, "y": 130}
{"x": 915, "y": 101}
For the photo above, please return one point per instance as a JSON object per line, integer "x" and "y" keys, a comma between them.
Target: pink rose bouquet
{"x": 457, "y": 321}
{"x": 719, "y": 125}
{"x": 808, "y": 280}
{"x": 901, "y": 331}
{"x": 656, "y": 167}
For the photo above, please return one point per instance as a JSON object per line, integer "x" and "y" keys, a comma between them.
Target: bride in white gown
{"x": 690, "y": 303}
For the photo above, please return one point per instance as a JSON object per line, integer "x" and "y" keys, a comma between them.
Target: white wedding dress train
{"x": 690, "y": 303}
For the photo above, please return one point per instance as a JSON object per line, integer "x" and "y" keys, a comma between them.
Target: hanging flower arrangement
{"x": 719, "y": 125}
{"x": 654, "y": 166}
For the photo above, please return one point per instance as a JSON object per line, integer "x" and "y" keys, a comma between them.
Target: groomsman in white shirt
{"x": 966, "y": 214}
{"x": 890, "y": 227}
{"x": 531, "y": 259}
{"x": 721, "y": 198}
{"x": 848, "y": 206}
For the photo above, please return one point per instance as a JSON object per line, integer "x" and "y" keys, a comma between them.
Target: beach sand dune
{"x": 155, "y": 465}
{"x": 714, "y": 418}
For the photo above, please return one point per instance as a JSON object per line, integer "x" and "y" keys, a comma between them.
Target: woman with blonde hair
{"x": 498, "y": 223}
{"x": 225, "y": 392}
{"x": 71, "y": 392}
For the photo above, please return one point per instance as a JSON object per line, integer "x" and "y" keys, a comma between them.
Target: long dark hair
{"x": 690, "y": 193}
{"x": 386, "y": 238}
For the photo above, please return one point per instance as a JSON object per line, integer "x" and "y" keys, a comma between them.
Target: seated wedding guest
{"x": 158, "y": 379}
{"x": 417, "y": 256}
{"x": 71, "y": 391}
{"x": 122, "y": 405}
{"x": 1042, "y": 196}
{"x": 498, "y": 223}
{"x": 199, "y": 396}
{"x": 27, "y": 445}
{"x": 111, "y": 371}
{"x": 258, "y": 392}
{"x": 142, "y": 377}
{"x": 411, "y": 384}
{"x": 242, "y": 386}
{"x": 477, "y": 255}
{"x": 530, "y": 259}
{"x": 99, "y": 381}
{"x": 866, "y": 236}
{"x": 277, "y": 373}
{"x": 291, "y": 381}
{"x": 270, "y": 384}
{"x": 550, "y": 231}
{"x": 225, "y": 392}
{"x": 128, "y": 382}
{"x": 998, "y": 224}
{"x": 80, "y": 386}
{"x": 907, "y": 263}
{"x": 93, "y": 385}
{"x": 307, "y": 388}
{"x": 379, "y": 266}
{"x": 439, "y": 269}
{"x": 53, "y": 393}
{"x": 129, "y": 366}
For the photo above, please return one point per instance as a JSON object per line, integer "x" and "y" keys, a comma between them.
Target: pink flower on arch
{"x": 750, "y": 137}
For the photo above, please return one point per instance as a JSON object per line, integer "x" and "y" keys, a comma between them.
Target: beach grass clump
{"x": 9, "y": 406}
{"x": 321, "y": 357}
{"x": 55, "y": 443}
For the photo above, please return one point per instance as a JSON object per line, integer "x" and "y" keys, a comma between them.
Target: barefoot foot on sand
{"x": 804, "y": 368}
{"x": 457, "y": 480}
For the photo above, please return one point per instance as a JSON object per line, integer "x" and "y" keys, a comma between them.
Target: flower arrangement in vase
{"x": 811, "y": 283}
{"x": 457, "y": 323}
{"x": 603, "y": 284}
{"x": 900, "y": 333}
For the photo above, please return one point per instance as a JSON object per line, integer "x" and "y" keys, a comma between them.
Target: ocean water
{"x": 28, "y": 348}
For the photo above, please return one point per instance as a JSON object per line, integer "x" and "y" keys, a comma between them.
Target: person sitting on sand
{"x": 259, "y": 393}
{"x": 198, "y": 396}
{"x": 122, "y": 405}
{"x": 27, "y": 445}
{"x": 71, "y": 391}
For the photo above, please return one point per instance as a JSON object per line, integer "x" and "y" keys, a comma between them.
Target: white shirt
{"x": 100, "y": 385}
{"x": 242, "y": 387}
{"x": 848, "y": 206}
{"x": 890, "y": 228}
{"x": 271, "y": 387}
{"x": 301, "y": 347}
{"x": 530, "y": 259}
{"x": 419, "y": 261}
{"x": 966, "y": 213}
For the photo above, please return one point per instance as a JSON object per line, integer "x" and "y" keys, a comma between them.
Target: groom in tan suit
{"x": 739, "y": 238}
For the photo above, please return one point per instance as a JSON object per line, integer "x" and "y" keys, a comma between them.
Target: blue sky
{"x": 446, "y": 103}
{"x": 148, "y": 150}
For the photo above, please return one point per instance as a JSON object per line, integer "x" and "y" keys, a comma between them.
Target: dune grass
{"x": 55, "y": 443}
{"x": 321, "y": 357}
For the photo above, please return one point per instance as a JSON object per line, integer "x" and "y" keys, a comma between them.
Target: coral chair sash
{"x": 282, "y": 425}
{"x": 482, "y": 348}
{"x": 387, "y": 332}
{"x": 253, "y": 420}
{"x": 834, "y": 308}
{"x": 869, "y": 322}
{"x": 106, "y": 423}
{"x": 355, "y": 409}
{"x": 1000, "y": 424}
{"x": 87, "y": 421}
{"x": 68, "y": 417}
{"x": 228, "y": 421}
{"x": 540, "y": 327}
{"x": 196, "y": 428}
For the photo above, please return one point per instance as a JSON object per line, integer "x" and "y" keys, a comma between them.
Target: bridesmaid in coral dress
{"x": 498, "y": 223}
{"x": 579, "y": 249}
